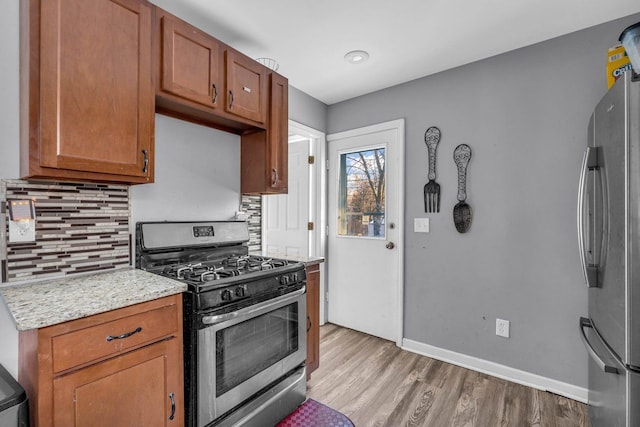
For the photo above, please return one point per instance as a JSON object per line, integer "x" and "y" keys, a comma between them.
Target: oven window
{"x": 247, "y": 348}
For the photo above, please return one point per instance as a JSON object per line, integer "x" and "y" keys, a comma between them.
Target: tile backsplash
{"x": 79, "y": 228}
{"x": 252, "y": 206}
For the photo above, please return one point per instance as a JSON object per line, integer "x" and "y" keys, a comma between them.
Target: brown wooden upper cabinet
{"x": 203, "y": 80}
{"x": 265, "y": 153}
{"x": 246, "y": 87}
{"x": 191, "y": 65}
{"x": 87, "y": 94}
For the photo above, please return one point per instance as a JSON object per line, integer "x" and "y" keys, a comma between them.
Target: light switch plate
{"x": 421, "y": 225}
{"x": 22, "y": 221}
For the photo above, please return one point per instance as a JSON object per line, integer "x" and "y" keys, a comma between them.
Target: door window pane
{"x": 362, "y": 193}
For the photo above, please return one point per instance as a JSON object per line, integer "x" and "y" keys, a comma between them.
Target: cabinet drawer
{"x": 110, "y": 338}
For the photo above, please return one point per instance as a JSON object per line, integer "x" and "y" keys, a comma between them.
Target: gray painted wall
{"x": 525, "y": 116}
{"x": 307, "y": 110}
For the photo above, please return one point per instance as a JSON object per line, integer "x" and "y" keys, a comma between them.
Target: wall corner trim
{"x": 497, "y": 370}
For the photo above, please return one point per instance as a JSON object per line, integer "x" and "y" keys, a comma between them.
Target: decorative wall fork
{"x": 432, "y": 188}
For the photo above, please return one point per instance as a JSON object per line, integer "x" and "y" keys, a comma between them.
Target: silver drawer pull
{"x": 125, "y": 335}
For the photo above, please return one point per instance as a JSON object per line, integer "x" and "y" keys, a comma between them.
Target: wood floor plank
{"x": 393, "y": 367}
{"x": 384, "y": 407}
{"x": 377, "y": 384}
{"x": 468, "y": 407}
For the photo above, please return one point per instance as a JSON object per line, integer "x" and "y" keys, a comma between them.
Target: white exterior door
{"x": 287, "y": 215}
{"x": 365, "y": 184}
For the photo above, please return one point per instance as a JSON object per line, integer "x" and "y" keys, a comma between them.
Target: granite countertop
{"x": 46, "y": 303}
{"x": 307, "y": 260}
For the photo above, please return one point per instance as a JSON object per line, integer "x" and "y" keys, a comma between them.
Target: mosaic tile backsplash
{"x": 252, "y": 205}
{"x": 79, "y": 228}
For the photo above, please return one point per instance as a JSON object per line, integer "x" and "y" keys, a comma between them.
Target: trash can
{"x": 14, "y": 405}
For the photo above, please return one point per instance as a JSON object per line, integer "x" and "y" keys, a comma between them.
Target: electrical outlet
{"x": 502, "y": 328}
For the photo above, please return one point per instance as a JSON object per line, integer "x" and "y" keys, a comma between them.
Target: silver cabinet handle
{"x": 173, "y": 406}
{"x": 125, "y": 335}
{"x": 230, "y": 99}
{"x": 145, "y": 161}
{"x": 586, "y": 323}
{"x": 215, "y": 93}
{"x": 274, "y": 174}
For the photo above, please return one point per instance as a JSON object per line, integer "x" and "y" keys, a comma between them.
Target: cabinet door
{"x": 265, "y": 154}
{"x": 278, "y": 133}
{"x": 96, "y": 90}
{"x": 246, "y": 87}
{"x": 190, "y": 63}
{"x": 313, "y": 318}
{"x": 140, "y": 389}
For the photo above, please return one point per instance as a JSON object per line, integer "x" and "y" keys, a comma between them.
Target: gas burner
{"x": 211, "y": 273}
{"x": 259, "y": 263}
{"x": 187, "y": 270}
{"x": 238, "y": 262}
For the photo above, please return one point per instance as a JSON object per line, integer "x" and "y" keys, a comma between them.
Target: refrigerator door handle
{"x": 590, "y": 271}
{"x": 580, "y": 220}
{"x": 586, "y": 323}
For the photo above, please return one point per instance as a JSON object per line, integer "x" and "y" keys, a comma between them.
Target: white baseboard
{"x": 497, "y": 370}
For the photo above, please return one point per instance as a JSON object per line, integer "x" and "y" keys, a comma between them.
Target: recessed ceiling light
{"x": 356, "y": 56}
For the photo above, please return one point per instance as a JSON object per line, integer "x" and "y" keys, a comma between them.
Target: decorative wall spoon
{"x": 462, "y": 211}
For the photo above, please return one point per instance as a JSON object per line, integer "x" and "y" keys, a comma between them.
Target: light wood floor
{"x": 375, "y": 383}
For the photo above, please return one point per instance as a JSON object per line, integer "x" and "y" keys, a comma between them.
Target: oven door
{"x": 242, "y": 352}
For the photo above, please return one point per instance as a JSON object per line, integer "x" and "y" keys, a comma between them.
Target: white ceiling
{"x": 406, "y": 39}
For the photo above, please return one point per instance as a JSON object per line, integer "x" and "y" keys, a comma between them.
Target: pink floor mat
{"x": 315, "y": 414}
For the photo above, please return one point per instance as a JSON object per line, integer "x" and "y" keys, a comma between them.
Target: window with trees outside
{"x": 361, "y": 193}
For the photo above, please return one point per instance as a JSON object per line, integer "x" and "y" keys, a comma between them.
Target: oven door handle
{"x": 219, "y": 318}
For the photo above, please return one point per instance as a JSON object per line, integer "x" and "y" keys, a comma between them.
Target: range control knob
{"x": 226, "y": 295}
{"x": 284, "y": 280}
{"x": 240, "y": 291}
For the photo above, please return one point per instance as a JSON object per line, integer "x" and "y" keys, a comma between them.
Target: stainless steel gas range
{"x": 244, "y": 321}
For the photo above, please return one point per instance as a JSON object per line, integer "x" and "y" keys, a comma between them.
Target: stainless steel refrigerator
{"x": 609, "y": 241}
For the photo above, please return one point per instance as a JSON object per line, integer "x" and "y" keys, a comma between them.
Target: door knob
{"x": 390, "y": 245}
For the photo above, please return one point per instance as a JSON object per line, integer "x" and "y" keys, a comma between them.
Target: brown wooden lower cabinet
{"x": 139, "y": 382}
{"x": 313, "y": 318}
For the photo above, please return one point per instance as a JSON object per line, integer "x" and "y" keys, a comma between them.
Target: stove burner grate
{"x": 235, "y": 265}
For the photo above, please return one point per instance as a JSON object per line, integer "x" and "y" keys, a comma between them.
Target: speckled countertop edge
{"x": 46, "y": 303}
